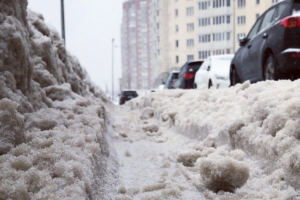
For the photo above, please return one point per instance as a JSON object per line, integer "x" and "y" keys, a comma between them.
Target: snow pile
{"x": 52, "y": 118}
{"x": 246, "y": 137}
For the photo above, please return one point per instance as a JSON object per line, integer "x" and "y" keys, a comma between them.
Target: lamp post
{"x": 63, "y": 20}
{"x": 112, "y": 70}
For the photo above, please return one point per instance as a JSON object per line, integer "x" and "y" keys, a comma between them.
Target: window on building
{"x": 228, "y": 36}
{"x": 228, "y": 19}
{"x": 190, "y": 27}
{"x": 257, "y": 16}
{"x": 176, "y": 12}
{"x": 190, "y": 11}
{"x": 204, "y": 54}
{"x": 177, "y": 59}
{"x": 190, "y": 58}
{"x": 274, "y": 1}
{"x": 176, "y": 28}
{"x": 241, "y": 3}
{"x": 157, "y": 12}
{"x": 257, "y": 1}
{"x": 241, "y": 19}
{"x": 157, "y": 25}
{"x": 228, "y": 3}
{"x": 177, "y": 43}
{"x": 190, "y": 42}
{"x": 204, "y": 5}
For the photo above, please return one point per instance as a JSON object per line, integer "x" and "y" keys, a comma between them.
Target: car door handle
{"x": 249, "y": 46}
{"x": 265, "y": 35}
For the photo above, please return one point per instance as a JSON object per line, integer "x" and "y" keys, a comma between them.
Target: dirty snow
{"x": 60, "y": 137}
{"x": 243, "y": 141}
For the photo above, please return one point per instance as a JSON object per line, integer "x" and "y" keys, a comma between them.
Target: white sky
{"x": 90, "y": 27}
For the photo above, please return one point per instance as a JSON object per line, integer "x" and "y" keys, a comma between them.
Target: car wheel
{"x": 209, "y": 84}
{"x": 234, "y": 78}
{"x": 270, "y": 69}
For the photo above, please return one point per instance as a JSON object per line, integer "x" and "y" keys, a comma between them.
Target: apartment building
{"x": 215, "y": 28}
{"x": 135, "y": 37}
{"x": 159, "y": 35}
{"x": 182, "y": 32}
{"x": 246, "y": 14}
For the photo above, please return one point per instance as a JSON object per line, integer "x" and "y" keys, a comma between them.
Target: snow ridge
{"x": 247, "y": 136}
{"x": 53, "y": 120}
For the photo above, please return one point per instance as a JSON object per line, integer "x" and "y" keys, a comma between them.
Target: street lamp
{"x": 112, "y": 69}
{"x": 63, "y": 20}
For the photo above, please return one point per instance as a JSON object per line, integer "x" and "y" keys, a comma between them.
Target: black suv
{"x": 187, "y": 73}
{"x": 127, "y": 95}
{"x": 271, "y": 51}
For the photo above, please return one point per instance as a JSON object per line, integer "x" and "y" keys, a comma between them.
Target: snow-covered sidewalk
{"x": 148, "y": 167}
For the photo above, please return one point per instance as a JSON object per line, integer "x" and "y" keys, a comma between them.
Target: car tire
{"x": 270, "y": 69}
{"x": 234, "y": 78}
{"x": 210, "y": 84}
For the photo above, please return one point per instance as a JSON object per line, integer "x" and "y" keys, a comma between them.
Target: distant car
{"x": 271, "y": 51}
{"x": 214, "y": 72}
{"x": 170, "y": 83}
{"x": 187, "y": 73}
{"x": 127, "y": 95}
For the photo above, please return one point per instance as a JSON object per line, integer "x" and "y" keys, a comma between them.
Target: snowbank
{"x": 52, "y": 118}
{"x": 247, "y": 136}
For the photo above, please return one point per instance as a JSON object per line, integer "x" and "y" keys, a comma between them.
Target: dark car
{"x": 172, "y": 78}
{"x": 127, "y": 95}
{"x": 187, "y": 73}
{"x": 271, "y": 51}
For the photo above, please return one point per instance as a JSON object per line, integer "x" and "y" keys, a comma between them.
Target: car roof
{"x": 194, "y": 62}
{"x": 222, "y": 56}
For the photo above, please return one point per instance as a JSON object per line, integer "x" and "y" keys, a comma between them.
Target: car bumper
{"x": 288, "y": 62}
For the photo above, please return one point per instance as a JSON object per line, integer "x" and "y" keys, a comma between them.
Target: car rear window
{"x": 193, "y": 67}
{"x": 296, "y": 6}
{"x": 175, "y": 75}
{"x": 130, "y": 93}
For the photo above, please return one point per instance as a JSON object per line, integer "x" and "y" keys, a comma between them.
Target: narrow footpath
{"x": 146, "y": 153}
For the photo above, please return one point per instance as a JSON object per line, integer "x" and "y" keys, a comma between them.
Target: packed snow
{"x": 61, "y": 138}
{"x": 243, "y": 141}
{"x": 53, "y": 120}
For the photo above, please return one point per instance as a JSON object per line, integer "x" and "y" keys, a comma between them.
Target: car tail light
{"x": 295, "y": 54}
{"x": 188, "y": 76}
{"x": 123, "y": 97}
{"x": 290, "y": 22}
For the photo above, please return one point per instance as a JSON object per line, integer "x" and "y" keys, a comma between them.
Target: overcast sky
{"x": 90, "y": 27}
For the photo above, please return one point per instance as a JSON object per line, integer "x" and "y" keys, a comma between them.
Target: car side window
{"x": 268, "y": 18}
{"x": 254, "y": 30}
{"x": 280, "y": 9}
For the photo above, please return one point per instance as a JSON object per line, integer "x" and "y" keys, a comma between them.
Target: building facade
{"x": 135, "y": 37}
{"x": 215, "y": 28}
{"x": 182, "y": 40}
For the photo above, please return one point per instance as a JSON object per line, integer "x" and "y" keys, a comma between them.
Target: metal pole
{"x": 234, "y": 15}
{"x": 63, "y": 20}
{"x": 112, "y": 70}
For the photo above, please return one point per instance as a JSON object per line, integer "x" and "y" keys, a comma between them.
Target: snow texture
{"x": 53, "y": 120}
{"x": 244, "y": 139}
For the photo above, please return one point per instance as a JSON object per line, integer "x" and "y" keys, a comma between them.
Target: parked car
{"x": 172, "y": 78}
{"x": 214, "y": 72}
{"x": 187, "y": 73}
{"x": 271, "y": 51}
{"x": 127, "y": 95}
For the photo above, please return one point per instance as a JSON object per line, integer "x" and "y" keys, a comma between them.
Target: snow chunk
{"x": 147, "y": 113}
{"x": 11, "y": 126}
{"x": 223, "y": 173}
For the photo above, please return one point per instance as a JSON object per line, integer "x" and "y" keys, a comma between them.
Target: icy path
{"x": 146, "y": 153}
